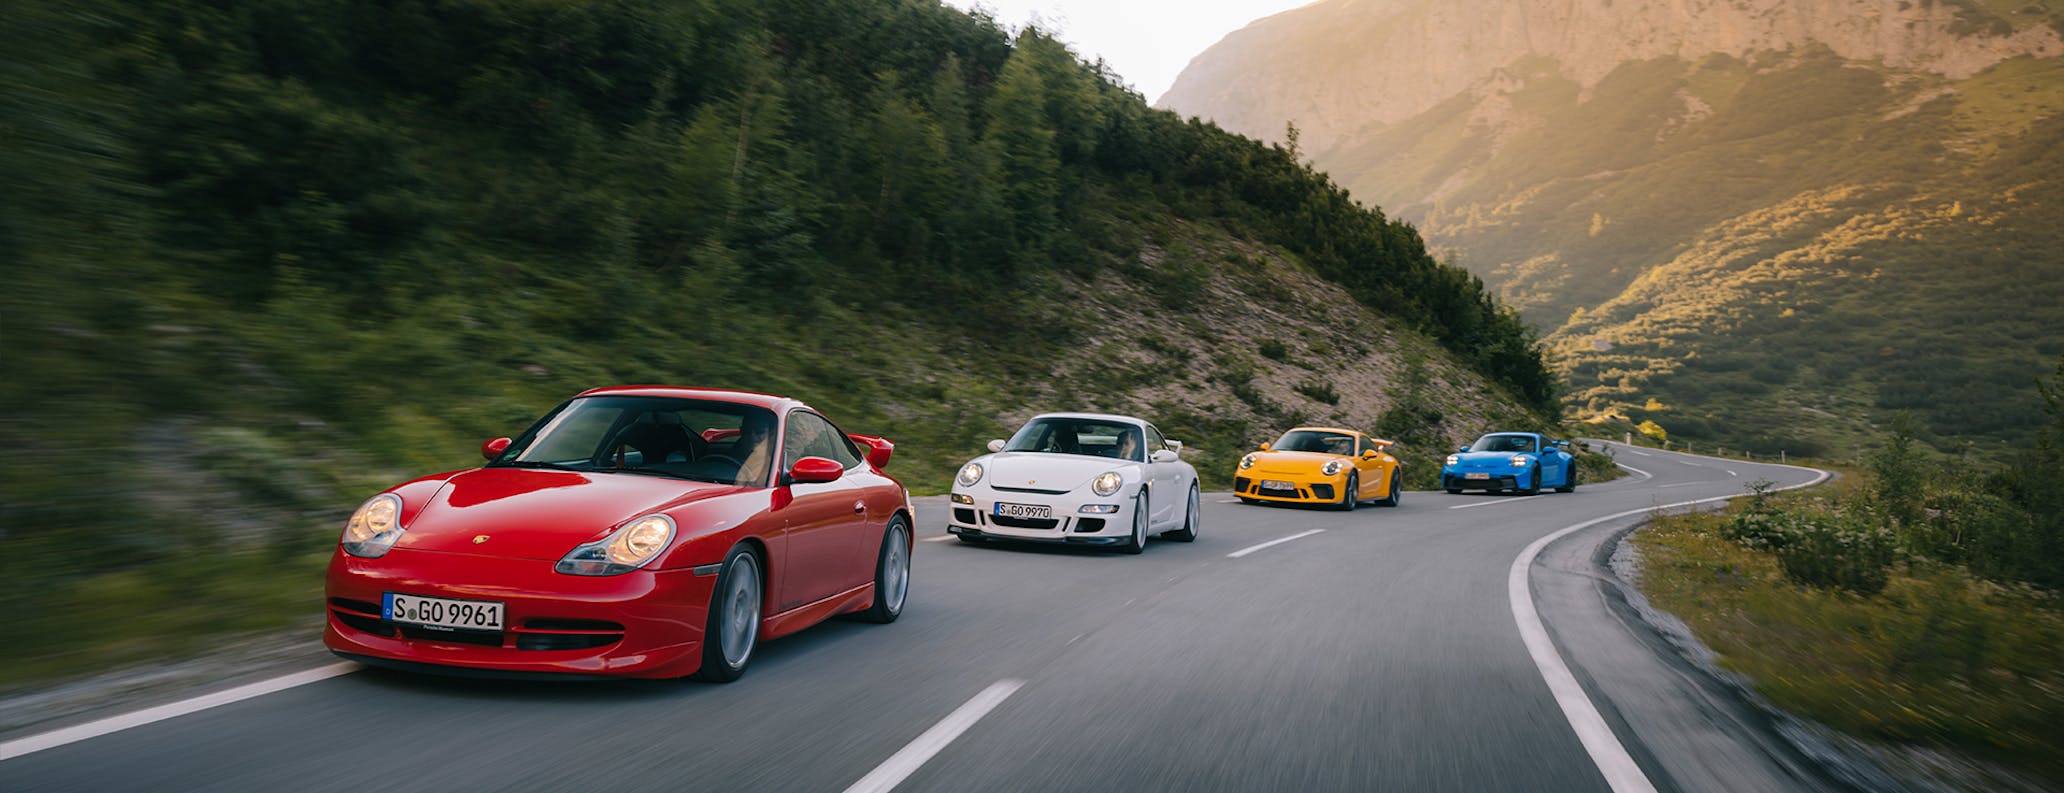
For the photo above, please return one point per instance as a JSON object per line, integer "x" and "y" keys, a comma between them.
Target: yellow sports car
{"x": 1321, "y": 465}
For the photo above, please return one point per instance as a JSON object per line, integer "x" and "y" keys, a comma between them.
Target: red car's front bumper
{"x": 640, "y": 624}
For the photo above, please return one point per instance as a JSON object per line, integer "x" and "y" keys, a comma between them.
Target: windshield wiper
{"x": 536, "y": 464}
{"x": 659, "y": 472}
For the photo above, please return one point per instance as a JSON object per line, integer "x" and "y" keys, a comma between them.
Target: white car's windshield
{"x": 1092, "y": 437}
{"x": 706, "y": 441}
{"x": 1503, "y": 443}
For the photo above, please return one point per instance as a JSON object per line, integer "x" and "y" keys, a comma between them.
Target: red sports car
{"x": 640, "y": 531}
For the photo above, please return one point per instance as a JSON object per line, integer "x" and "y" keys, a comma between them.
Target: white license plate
{"x": 1476, "y": 475}
{"x": 1276, "y": 484}
{"x": 474, "y": 615}
{"x": 1023, "y": 510}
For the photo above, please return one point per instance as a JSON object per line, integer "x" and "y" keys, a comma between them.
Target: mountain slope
{"x": 1771, "y": 243}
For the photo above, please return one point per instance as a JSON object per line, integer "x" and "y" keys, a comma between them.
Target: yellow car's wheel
{"x": 1350, "y": 496}
{"x": 1397, "y": 481}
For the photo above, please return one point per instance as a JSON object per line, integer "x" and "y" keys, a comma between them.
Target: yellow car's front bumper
{"x": 1289, "y": 488}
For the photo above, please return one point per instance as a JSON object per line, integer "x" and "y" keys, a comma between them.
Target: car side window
{"x": 1155, "y": 442}
{"x": 809, "y": 435}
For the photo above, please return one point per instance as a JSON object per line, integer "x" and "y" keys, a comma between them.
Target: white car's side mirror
{"x": 996, "y": 446}
{"x": 1164, "y": 456}
{"x": 1175, "y": 446}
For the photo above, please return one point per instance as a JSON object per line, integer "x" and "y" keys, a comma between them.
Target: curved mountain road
{"x": 1376, "y": 650}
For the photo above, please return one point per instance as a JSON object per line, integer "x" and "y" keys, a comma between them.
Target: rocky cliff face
{"x": 1336, "y": 67}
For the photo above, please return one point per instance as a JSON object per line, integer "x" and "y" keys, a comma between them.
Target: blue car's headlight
{"x": 1454, "y": 459}
{"x": 1519, "y": 461}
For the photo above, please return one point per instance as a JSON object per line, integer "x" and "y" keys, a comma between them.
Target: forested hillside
{"x": 264, "y": 257}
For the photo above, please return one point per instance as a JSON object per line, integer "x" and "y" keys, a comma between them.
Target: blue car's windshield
{"x": 1503, "y": 443}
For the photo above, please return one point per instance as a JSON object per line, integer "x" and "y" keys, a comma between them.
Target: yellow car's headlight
{"x": 1333, "y": 467}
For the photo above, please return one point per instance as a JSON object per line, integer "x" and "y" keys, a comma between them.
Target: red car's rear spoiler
{"x": 878, "y": 448}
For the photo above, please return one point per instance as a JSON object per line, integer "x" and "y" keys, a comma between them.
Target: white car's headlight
{"x": 1333, "y": 467}
{"x": 1519, "y": 460}
{"x": 1454, "y": 459}
{"x": 624, "y": 550}
{"x": 1106, "y": 483}
{"x": 372, "y": 530}
{"x": 1247, "y": 462}
{"x": 969, "y": 474}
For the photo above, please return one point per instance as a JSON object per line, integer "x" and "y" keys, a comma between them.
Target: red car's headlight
{"x": 372, "y": 530}
{"x": 624, "y": 550}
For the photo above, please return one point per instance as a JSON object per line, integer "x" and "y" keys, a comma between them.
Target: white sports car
{"x": 1080, "y": 479}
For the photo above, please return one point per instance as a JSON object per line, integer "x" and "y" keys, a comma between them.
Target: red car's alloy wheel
{"x": 734, "y": 618}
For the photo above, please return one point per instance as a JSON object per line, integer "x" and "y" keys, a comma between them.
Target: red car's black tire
{"x": 894, "y": 551}
{"x": 717, "y": 666}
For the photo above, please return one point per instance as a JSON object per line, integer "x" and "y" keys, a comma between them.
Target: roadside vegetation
{"x": 268, "y": 257}
{"x": 1915, "y": 602}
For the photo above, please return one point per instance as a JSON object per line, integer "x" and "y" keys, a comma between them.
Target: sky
{"x": 1147, "y": 42}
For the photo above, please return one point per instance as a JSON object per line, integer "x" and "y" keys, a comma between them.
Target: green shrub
{"x": 1760, "y": 530}
{"x": 1597, "y": 466}
{"x": 1319, "y": 390}
{"x": 1831, "y": 551}
{"x": 1274, "y": 350}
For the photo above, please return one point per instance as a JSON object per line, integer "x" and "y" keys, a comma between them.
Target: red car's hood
{"x": 532, "y": 514}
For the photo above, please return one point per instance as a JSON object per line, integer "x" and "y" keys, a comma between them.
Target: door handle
{"x": 859, "y": 507}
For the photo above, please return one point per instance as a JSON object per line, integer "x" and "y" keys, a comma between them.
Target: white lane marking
{"x": 1644, "y": 454}
{"x": 1731, "y": 473}
{"x": 1252, "y": 548}
{"x": 112, "y": 724}
{"x": 1679, "y": 484}
{"x": 1492, "y": 503}
{"x": 1643, "y": 474}
{"x": 1605, "y": 749}
{"x": 1227, "y": 501}
{"x": 902, "y": 764}
{"x": 940, "y": 538}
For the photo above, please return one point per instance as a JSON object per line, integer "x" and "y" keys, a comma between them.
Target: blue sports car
{"x": 1522, "y": 461}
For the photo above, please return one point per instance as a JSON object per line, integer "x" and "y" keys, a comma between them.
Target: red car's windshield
{"x": 706, "y": 441}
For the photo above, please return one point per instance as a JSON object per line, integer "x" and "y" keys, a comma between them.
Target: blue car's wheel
{"x": 1569, "y": 481}
{"x": 1533, "y": 486}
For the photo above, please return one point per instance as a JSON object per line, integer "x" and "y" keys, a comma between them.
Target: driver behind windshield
{"x": 754, "y": 449}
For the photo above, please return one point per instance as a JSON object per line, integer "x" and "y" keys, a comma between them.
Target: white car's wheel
{"x": 1192, "y": 520}
{"x": 1138, "y": 541}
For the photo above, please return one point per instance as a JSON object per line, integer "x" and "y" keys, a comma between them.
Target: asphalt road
{"x": 1381, "y": 653}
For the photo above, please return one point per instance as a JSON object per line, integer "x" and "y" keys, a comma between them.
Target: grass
{"x": 1939, "y": 659}
{"x": 162, "y": 613}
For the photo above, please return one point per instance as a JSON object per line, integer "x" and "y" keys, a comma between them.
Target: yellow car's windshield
{"x": 1319, "y": 441}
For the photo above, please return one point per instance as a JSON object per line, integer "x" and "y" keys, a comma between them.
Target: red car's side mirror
{"x": 878, "y": 448}
{"x": 494, "y": 448}
{"x": 815, "y": 469}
